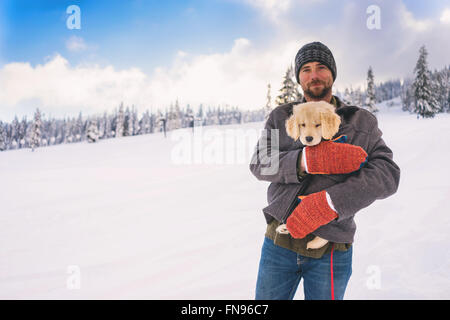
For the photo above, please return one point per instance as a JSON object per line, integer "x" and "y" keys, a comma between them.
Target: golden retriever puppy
{"x": 310, "y": 122}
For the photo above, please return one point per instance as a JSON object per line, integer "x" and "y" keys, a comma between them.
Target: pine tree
{"x": 35, "y": 138}
{"x": 136, "y": 126}
{"x": 15, "y": 133}
{"x": 78, "y": 128}
{"x": 120, "y": 122}
{"x": 268, "y": 108}
{"x": 442, "y": 83}
{"x": 407, "y": 95}
{"x": 92, "y": 131}
{"x": 289, "y": 90}
{"x": 146, "y": 123}
{"x": 177, "y": 116}
{"x": 370, "y": 94}
{"x": 357, "y": 98}
{"x": 23, "y": 132}
{"x": 128, "y": 123}
{"x": 348, "y": 99}
{"x": 2, "y": 137}
{"x": 107, "y": 126}
{"x": 425, "y": 103}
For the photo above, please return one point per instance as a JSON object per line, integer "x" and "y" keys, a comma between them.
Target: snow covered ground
{"x": 180, "y": 218}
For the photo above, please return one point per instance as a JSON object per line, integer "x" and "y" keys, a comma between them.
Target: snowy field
{"x": 149, "y": 217}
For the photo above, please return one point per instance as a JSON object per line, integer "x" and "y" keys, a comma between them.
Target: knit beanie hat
{"x": 315, "y": 51}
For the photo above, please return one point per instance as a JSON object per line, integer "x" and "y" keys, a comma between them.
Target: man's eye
{"x": 317, "y": 125}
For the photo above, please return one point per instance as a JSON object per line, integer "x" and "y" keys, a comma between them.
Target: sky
{"x": 212, "y": 52}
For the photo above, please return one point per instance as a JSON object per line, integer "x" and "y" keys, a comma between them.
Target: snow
{"x": 149, "y": 217}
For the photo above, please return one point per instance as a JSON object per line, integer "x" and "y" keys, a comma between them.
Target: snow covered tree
{"x": 289, "y": 90}
{"x": 120, "y": 122}
{"x": 407, "y": 95}
{"x": 78, "y": 128}
{"x": 92, "y": 131}
{"x": 35, "y": 138}
{"x": 370, "y": 93}
{"x": 441, "y": 81}
{"x": 161, "y": 123}
{"x": 15, "y": 130}
{"x": 107, "y": 126}
{"x": 347, "y": 98}
{"x": 358, "y": 97}
{"x": 177, "y": 116}
{"x": 136, "y": 126}
{"x": 425, "y": 104}
{"x": 2, "y": 137}
{"x": 268, "y": 108}
{"x": 146, "y": 123}
{"x": 128, "y": 123}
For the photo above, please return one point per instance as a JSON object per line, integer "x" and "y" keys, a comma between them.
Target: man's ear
{"x": 330, "y": 124}
{"x": 292, "y": 128}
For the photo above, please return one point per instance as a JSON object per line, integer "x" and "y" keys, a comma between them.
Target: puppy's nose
{"x": 309, "y": 138}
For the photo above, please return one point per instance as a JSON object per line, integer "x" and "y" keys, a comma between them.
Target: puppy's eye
{"x": 317, "y": 125}
{"x": 303, "y": 125}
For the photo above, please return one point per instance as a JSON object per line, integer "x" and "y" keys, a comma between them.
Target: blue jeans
{"x": 280, "y": 272}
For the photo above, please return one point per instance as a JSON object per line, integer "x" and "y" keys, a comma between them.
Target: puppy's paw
{"x": 282, "y": 229}
{"x": 316, "y": 243}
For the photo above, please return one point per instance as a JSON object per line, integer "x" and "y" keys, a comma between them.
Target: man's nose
{"x": 314, "y": 75}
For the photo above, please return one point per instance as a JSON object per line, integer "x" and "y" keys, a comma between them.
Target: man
{"x": 331, "y": 200}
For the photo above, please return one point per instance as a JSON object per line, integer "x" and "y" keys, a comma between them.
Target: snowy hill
{"x": 146, "y": 217}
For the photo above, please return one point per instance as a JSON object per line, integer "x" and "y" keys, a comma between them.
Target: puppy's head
{"x": 311, "y": 121}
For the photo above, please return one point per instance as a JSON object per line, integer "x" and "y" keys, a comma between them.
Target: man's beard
{"x": 322, "y": 94}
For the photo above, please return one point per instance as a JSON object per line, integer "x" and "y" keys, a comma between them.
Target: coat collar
{"x": 342, "y": 109}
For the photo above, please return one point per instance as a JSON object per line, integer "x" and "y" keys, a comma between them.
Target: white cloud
{"x": 271, "y": 8}
{"x": 60, "y": 89}
{"x": 445, "y": 17}
{"x": 76, "y": 44}
{"x": 409, "y": 21}
{"x": 238, "y": 77}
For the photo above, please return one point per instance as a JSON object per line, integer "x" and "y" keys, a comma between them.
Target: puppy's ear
{"x": 292, "y": 128}
{"x": 330, "y": 124}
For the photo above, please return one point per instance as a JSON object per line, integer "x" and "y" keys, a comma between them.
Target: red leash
{"x": 331, "y": 269}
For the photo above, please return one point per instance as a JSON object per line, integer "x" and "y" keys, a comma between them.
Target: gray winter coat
{"x": 350, "y": 193}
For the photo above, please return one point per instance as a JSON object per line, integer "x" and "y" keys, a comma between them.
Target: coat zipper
{"x": 294, "y": 203}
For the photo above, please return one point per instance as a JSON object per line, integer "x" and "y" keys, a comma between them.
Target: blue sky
{"x": 126, "y": 33}
{"x": 216, "y": 52}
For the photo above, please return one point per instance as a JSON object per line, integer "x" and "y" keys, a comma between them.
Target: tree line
{"x": 425, "y": 94}
{"x": 122, "y": 122}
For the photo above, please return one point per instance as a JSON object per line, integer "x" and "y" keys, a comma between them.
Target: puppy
{"x": 312, "y": 121}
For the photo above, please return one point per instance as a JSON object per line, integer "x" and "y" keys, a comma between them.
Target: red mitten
{"x": 312, "y": 212}
{"x": 330, "y": 157}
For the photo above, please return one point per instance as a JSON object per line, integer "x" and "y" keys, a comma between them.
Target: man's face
{"x": 316, "y": 80}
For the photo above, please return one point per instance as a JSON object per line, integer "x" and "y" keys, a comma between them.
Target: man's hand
{"x": 330, "y": 157}
{"x": 312, "y": 212}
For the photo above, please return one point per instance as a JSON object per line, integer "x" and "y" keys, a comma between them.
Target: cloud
{"x": 61, "y": 89}
{"x": 271, "y": 8}
{"x": 238, "y": 77}
{"x": 76, "y": 44}
{"x": 410, "y": 22}
{"x": 445, "y": 17}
